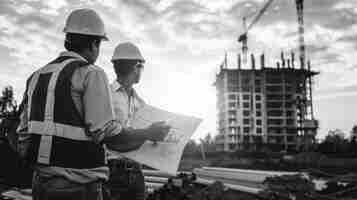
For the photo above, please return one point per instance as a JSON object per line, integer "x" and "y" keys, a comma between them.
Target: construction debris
{"x": 186, "y": 187}
{"x": 290, "y": 187}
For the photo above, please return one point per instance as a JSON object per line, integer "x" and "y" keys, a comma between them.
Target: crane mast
{"x": 244, "y": 39}
{"x": 300, "y": 14}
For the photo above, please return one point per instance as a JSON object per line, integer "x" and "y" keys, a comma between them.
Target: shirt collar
{"x": 116, "y": 86}
{"x": 72, "y": 54}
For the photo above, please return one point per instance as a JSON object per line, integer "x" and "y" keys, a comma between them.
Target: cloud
{"x": 184, "y": 9}
{"x": 52, "y": 7}
{"x": 6, "y": 8}
{"x": 348, "y": 38}
{"x": 344, "y": 89}
{"x": 156, "y": 35}
{"x": 30, "y": 37}
{"x": 34, "y": 19}
{"x": 143, "y": 11}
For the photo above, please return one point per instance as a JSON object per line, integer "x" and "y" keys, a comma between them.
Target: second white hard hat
{"x": 86, "y": 22}
{"x": 127, "y": 50}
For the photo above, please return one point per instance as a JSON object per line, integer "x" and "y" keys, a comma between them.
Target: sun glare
{"x": 191, "y": 95}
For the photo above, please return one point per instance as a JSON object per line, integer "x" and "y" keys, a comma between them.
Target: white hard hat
{"x": 127, "y": 50}
{"x": 86, "y": 22}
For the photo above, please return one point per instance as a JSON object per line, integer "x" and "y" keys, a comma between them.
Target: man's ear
{"x": 93, "y": 46}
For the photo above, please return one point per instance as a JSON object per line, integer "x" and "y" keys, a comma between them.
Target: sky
{"x": 184, "y": 42}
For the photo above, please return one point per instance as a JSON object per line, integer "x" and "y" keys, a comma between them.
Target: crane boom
{"x": 260, "y": 14}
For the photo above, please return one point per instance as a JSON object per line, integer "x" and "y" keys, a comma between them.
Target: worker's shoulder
{"x": 92, "y": 67}
{"x": 88, "y": 67}
{"x": 90, "y": 71}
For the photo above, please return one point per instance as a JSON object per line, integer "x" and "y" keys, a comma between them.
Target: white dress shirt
{"x": 125, "y": 104}
{"x": 125, "y": 107}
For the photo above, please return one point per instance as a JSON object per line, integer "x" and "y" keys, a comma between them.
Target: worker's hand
{"x": 157, "y": 131}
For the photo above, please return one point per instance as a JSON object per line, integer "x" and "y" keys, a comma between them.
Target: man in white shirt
{"x": 126, "y": 180}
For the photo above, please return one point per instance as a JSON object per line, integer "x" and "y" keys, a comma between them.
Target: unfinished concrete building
{"x": 265, "y": 107}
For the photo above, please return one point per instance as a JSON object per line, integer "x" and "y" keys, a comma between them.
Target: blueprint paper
{"x": 165, "y": 155}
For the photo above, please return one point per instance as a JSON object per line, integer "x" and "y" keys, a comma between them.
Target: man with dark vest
{"x": 67, "y": 116}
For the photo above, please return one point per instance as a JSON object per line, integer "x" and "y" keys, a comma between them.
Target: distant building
{"x": 265, "y": 107}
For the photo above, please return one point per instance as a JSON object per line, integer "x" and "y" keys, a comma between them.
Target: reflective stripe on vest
{"x": 56, "y": 127}
{"x": 47, "y": 126}
{"x": 60, "y": 130}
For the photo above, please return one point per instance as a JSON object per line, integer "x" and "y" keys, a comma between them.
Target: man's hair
{"x": 78, "y": 42}
{"x": 123, "y": 67}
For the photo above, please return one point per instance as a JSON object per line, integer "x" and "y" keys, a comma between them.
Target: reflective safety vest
{"x": 58, "y": 133}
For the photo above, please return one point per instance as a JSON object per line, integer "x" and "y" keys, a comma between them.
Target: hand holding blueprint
{"x": 164, "y": 155}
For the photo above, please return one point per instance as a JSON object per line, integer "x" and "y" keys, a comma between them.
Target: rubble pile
{"x": 184, "y": 187}
{"x": 299, "y": 187}
{"x": 289, "y": 187}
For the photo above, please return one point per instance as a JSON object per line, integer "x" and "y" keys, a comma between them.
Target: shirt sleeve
{"x": 22, "y": 128}
{"x": 23, "y": 125}
{"x": 23, "y": 140}
{"x": 97, "y": 106}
